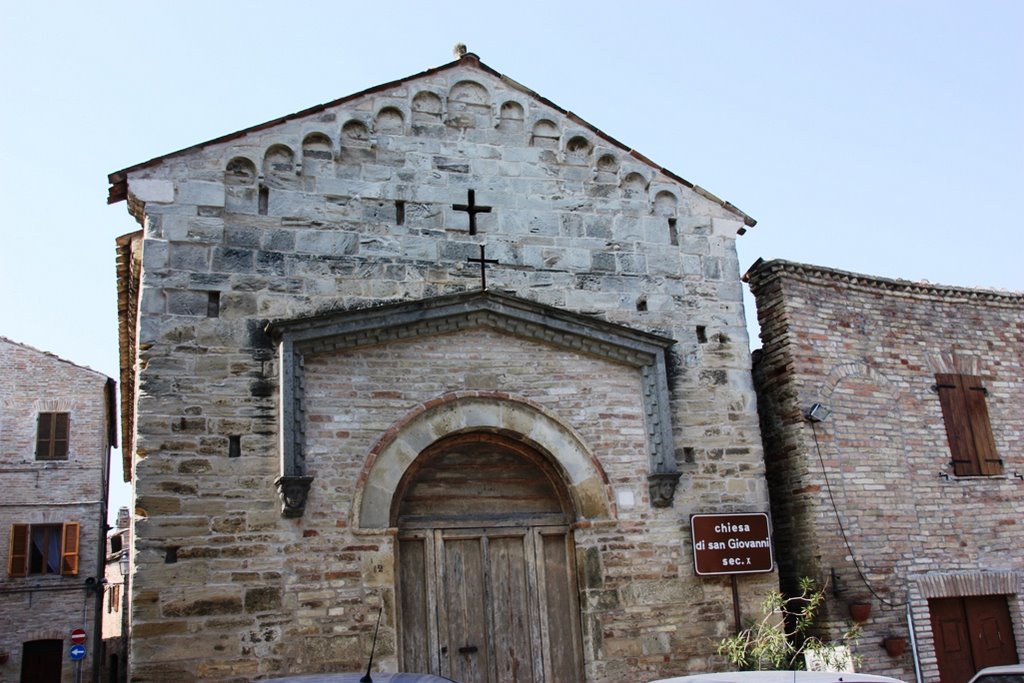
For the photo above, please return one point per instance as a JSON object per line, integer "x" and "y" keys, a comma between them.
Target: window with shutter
{"x": 43, "y": 549}
{"x": 967, "y": 425}
{"x": 17, "y": 555}
{"x": 69, "y": 550}
{"x": 52, "y": 436}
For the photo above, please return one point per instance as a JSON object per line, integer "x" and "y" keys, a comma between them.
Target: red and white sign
{"x": 78, "y": 636}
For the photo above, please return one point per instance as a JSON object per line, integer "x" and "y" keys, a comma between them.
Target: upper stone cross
{"x": 483, "y": 261}
{"x": 472, "y": 209}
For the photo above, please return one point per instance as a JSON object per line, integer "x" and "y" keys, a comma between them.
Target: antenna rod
{"x": 367, "y": 678}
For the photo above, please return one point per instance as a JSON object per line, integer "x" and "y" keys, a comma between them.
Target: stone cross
{"x": 472, "y": 209}
{"x": 483, "y": 261}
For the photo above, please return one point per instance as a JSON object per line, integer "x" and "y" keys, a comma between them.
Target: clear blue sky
{"x": 880, "y": 137}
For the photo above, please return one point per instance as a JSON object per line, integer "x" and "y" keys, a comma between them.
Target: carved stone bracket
{"x": 293, "y": 491}
{"x": 662, "y": 486}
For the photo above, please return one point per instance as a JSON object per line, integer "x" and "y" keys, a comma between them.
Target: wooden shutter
{"x": 967, "y": 425}
{"x": 977, "y": 414}
{"x": 52, "y": 436}
{"x": 958, "y": 426}
{"x": 69, "y": 549}
{"x": 17, "y": 555}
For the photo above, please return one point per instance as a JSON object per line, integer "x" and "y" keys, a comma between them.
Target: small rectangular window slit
{"x": 213, "y": 304}
{"x": 702, "y": 334}
{"x": 234, "y": 446}
{"x": 673, "y": 233}
{"x": 399, "y": 212}
{"x": 264, "y": 200}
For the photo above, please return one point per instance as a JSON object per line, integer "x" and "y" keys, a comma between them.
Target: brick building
{"x": 336, "y": 416}
{"x": 57, "y": 425}
{"x": 909, "y": 494}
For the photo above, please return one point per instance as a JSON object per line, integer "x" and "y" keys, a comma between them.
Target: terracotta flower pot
{"x": 860, "y": 611}
{"x": 895, "y": 645}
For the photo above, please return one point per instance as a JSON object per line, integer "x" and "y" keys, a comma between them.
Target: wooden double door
{"x": 486, "y": 566}
{"x": 970, "y": 634}
{"x": 490, "y": 605}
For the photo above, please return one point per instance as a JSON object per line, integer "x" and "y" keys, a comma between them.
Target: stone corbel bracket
{"x": 293, "y": 491}
{"x": 337, "y": 331}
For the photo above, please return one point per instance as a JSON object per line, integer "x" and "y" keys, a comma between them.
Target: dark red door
{"x": 41, "y": 661}
{"x": 970, "y": 634}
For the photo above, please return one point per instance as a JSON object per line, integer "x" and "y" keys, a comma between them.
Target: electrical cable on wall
{"x": 842, "y": 530}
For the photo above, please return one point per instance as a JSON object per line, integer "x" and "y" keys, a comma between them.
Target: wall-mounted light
{"x": 124, "y": 563}
{"x": 817, "y": 413}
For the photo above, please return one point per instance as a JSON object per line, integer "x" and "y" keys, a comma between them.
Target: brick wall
{"x": 50, "y": 492}
{"x": 869, "y": 349}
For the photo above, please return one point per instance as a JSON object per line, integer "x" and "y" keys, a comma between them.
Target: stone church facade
{"x": 442, "y": 354}
{"x": 907, "y": 494}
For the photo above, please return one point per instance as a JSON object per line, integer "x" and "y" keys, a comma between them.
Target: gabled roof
{"x": 118, "y": 180}
{"x": 54, "y": 357}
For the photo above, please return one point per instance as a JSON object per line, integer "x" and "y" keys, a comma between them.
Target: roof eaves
{"x": 53, "y": 356}
{"x": 762, "y": 271}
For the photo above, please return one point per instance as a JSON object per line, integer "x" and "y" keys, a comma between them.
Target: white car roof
{"x": 1002, "y": 670}
{"x": 779, "y": 677}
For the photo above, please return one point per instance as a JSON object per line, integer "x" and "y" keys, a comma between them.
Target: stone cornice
{"x": 339, "y": 331}
{"x": 763, "y": 272}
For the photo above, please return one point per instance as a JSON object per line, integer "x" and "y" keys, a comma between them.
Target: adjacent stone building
{"x": 892, "y": 419}
{"x": 57, "y": 425}
{"x": 442, "y": 354}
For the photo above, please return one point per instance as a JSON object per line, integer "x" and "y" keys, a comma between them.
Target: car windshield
{"x": 1001, "y": 678}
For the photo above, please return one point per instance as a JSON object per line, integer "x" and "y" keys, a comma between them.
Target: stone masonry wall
{"x": 350, "y": 205}
{"x": 869, "y": 349}
{"x": 49, "y": 492}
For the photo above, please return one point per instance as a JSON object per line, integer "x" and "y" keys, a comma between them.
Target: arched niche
{"x": 316, "y": 146}
{"x": 665, "y": 204}
{"x": 240, "y": 171}
{"x": 355, "y": 132}
{"x": 426, "y": 108}
{"x": 545, "y": 134}
{"x": 634, "y": 186}
{"x": 511, "y": 117}
{"x": 355, "y": 142}
{"x": 577, "y": 150}
{"x": 240, "y": 191}
{"x": 389, "y": 120}
{"x": 469, "y": 105}
{"x": 279, "y": 166}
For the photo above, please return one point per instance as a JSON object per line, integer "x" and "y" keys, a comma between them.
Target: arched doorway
{"x": 486, "y": 570}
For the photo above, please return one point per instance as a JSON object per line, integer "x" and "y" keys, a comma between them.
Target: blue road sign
{"x": 77, "y": 652}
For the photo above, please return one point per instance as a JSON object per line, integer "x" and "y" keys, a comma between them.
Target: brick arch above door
{"x": 515, "y": 418}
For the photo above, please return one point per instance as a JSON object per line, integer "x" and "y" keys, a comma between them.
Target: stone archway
{"x": 585, "y": 482}
{"x": 486, "y": 564}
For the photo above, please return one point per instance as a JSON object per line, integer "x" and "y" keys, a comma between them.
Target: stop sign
{"x": 78, "y": 636}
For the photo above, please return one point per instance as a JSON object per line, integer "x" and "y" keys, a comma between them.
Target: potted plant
{"x": 860, "y": 611}
{"x": 894, "y": 645}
